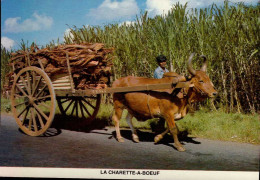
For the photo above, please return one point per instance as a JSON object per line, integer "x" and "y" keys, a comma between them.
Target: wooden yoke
{"x": 147, "y": 87}
{"x": 177, "y": 83}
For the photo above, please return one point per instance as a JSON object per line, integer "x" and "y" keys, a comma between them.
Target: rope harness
{"x": 148, "y": 100}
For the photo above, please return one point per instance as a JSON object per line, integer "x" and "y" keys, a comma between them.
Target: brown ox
{"x": 152, "y": 104}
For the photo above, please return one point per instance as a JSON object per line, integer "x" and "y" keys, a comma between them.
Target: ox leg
{"x": 129, "y": 118}
{"x": 116, "y": 118}
{"x": 160, "y": 130}
{"x": 174, "y": 131}
{"x": 159, "y": 137}
{"x": 160, "y": 126}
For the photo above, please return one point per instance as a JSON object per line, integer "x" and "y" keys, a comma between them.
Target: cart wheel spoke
{"x": 33, "y": 81}
{"x": 65, "y": 101}
{"x": 28, "y": 83}
{"x": 27, "y": 111}
{"x": 77, "y": 110}
{"x": 93, "y": 107}
{"x": 40, "y": 111}
{"x": 22, "y": 111}
{"x": 19, "y": 104}
{"x": 21, "y": 90}
{"x": 40, "y": 119}
{"x": 34, "y": 121}
{"x": 69, "y": 105}
{"x": 43, "y": 98}
{"x": 25, "y": 85}
{"x": 41, "y": 91}
{"x": 81, "y": 109}
{"x": 86, "y": 110}
{"x": 36, "y": 87}
{"x": 44, "y": 105}
{"x": 19, "y": 96}
{"x": 74, "y": 106}
{"x": 30, "y": 121}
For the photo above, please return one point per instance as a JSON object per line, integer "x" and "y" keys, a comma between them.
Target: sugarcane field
{"x": 180, "y": 84}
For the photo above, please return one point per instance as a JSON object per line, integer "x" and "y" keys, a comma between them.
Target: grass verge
{"x": 216, "y": 125}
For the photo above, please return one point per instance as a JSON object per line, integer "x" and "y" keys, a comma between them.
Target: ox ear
{"x": 204, "y": 66}
{"x": 190, "y": 68}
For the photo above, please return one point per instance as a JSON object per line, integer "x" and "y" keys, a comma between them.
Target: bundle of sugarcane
{"x": 90, "y": 63}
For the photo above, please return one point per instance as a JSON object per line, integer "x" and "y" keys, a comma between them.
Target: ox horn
{"x": 204, "y": 66}
{"x": 190, "y": 68}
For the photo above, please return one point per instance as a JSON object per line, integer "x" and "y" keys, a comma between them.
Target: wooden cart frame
{"x": 34, "y": 95}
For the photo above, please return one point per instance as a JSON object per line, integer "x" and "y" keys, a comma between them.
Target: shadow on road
{"x": 49, "y": 133}
{"x": 73, "y": 123}
{"x": 84, "y": 125}
{"x": 145, "y": 136}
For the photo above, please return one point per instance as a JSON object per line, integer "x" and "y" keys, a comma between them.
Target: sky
{"x": 42, "y": 21}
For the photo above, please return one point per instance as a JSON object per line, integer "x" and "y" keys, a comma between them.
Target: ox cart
{"x": 34, "y": 96}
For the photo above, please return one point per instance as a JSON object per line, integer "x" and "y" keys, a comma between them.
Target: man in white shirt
{"x": 161, "y": 69}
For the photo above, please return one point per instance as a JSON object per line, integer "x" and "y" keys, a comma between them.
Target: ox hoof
{"x": 180, "y": 148}
{"x": 157, "y": 138}
{"x": 135, "y": 138}
{"x": 120, "y": 140}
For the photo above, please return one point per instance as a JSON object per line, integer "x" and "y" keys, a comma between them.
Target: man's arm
{"x": 156, "y": 74}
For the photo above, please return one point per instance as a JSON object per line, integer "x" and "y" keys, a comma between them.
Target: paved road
{"x": 96, "y": 147}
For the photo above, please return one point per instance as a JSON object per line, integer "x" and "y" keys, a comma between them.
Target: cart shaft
{"x": 147, "y": 87}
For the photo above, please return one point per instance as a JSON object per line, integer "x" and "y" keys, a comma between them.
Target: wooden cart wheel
{"x": 80, "y": 107}
{"x": 33, "y": 101}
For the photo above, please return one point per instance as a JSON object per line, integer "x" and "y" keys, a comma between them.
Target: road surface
{"x": 96, "y": 147}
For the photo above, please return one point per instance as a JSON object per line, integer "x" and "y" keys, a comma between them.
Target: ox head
{"x": 202, "y": 85}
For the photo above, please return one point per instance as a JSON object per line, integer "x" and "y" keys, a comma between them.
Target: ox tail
{"x": 110, "y": 119}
